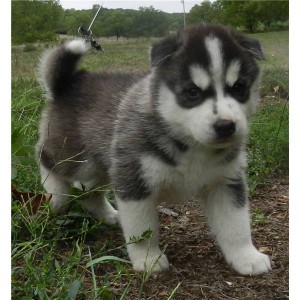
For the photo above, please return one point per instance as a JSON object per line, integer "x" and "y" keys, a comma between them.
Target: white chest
{"x": 194, "y": 173}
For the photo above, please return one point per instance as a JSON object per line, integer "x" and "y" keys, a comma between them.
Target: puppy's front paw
{"x": 250, "y": 262}
{"x": 156, "y": 263}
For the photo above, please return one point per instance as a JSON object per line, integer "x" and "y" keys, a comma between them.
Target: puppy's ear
{"x": 164, "y": 49}
{"x": 252, "y": 46}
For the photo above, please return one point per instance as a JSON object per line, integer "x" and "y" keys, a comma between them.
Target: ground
{"x": 198, "y": 265}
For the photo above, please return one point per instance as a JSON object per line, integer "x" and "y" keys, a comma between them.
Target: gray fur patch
{"x": 238, "y": 191}
{"x": 230, "y": 154}
{"x": 128, "y": 181}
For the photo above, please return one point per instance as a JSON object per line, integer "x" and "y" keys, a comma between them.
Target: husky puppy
{"x": 176, "y": 132}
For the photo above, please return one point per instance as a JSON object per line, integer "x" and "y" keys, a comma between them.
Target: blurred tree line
{"x": 145, "y": 22}
{"x": 249, "y": 15}
{"x": 42, "y": 20}
{"x": 35, "y": 20}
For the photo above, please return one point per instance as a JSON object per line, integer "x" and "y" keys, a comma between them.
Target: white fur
{"x": 200, "y": 76}
{"x": 229, "y": 224}
{"x": 195, "y": 174}
{"x": 191, "y": 123}
{"x": 214, "y": 47}
{"x": 100, "y": 208}
{"x": 136, "y": 217}
{"x": 231, "y": 227}
{"x": 226, "y": 109}
{"x": 197, "y": 123}
{"x": 233, "y": 71}
{"x": 43, "y": 70}
{"x": 77, "y": 46}
{"x": 58, "y": 187}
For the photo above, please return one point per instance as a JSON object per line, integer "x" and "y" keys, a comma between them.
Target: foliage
{"x": 41, "y": 20}
{"x": 150, "y": 22}
{"x": 115, "y": 24}
{"x": 24, "y": 131}
{"x": 35, "y": 20}
{"x": 146, "y": 22}
{"x": 268, "y": 147}
{"x": 249, "y": 15}
{"x": 206, "y": 12}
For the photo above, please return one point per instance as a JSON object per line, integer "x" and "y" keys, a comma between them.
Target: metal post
{"x": 184, "y": 22}
{"x": 94, "y": 17}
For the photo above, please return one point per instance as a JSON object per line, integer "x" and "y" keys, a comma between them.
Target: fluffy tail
{"x": 58, "y": 65}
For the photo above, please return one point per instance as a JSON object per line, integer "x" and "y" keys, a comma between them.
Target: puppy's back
{"x": 77, "y": 123}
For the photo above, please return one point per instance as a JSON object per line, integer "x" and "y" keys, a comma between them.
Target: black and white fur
{"x": 176, "y": 132}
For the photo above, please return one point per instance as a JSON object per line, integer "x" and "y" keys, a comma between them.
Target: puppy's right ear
{"x": 164, "y": 49}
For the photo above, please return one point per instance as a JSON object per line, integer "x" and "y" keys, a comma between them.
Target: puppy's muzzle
{"x": 224, "y": 128}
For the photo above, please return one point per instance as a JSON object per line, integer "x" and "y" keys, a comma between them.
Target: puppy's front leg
{"x": 227, "y": 211}
{"x": 136, "y": 217}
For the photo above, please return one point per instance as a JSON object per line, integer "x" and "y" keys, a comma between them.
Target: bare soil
{"x": 197, "y": 263}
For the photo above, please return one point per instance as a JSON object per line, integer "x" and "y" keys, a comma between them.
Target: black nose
{"x": 224, "y": 128}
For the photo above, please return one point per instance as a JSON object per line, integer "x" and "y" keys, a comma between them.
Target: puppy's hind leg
{"x": 58, "y": 187}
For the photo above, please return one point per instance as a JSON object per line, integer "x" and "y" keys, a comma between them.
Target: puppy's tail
{"x": 58, "y": 65}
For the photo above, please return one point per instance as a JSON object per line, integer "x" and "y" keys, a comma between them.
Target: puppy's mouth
{"x": 223, "y": 143}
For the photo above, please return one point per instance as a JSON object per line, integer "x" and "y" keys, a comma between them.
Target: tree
{"x": 247, "y": 15}
{"x": 250, "y": 14}
{"x": 117, "y": 24}
{"x": 206, "y": 12}
{"x": 175, "y": 21}
{"x": 35, "y": 20}
{"x": 150, "y": 22}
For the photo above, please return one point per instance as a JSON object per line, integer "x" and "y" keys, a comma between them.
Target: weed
{"x": 29, "y": 47}
{"x": 268, "y": 144}
{"x": 258, "y": 217}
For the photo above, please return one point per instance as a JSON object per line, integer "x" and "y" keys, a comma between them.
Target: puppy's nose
{"x": 224, "y": 128}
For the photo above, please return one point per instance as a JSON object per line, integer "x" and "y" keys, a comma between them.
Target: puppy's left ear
{"x": 252, "y": 46}
{"x": 164, "y": 49}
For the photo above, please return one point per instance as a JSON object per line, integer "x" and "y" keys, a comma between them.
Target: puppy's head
{"x": 206, "y": 83}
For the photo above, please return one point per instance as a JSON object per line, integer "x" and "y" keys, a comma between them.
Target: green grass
{"x": 268, "y": 144}
{"x": 276, "y": 64}
{"x": 51, "y": 256}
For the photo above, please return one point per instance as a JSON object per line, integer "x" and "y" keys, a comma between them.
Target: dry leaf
{"x": 167, "y": 211}
{"x": 265, "y": 250}
{"x": 32, "y": 200}
{"x": 163, "y": 293}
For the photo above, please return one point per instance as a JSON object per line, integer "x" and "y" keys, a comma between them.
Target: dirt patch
{"x": 198, "y": 265}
